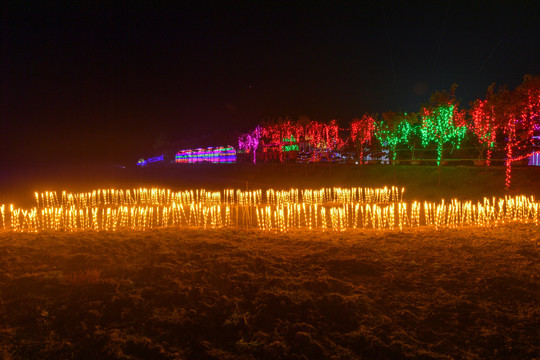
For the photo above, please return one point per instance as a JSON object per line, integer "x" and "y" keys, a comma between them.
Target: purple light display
{"x": 143, "y": 162}
{"x": 250, "y": 142}
{"x": 218, "y": 155}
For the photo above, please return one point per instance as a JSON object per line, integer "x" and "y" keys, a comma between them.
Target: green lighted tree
{"x": 393, "y": 129}
{"x": 441, "y": 122}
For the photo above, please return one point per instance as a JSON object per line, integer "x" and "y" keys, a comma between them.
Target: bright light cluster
{"x": 217, "y": 155}
{"x": 326, "y": 209}
{"x": 285, "y": 136}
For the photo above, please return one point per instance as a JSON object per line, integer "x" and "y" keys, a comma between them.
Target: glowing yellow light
{"x": 326, "y": 209}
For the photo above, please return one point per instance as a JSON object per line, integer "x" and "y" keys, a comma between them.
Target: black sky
{"x": 105, "y": 80}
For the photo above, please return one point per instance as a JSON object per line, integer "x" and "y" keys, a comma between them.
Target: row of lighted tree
{"x": 505, "y": 120}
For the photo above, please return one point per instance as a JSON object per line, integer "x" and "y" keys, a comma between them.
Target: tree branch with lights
{"x": 518, "y": 113}
{"x": 442, "y": 122}
{"x": 393, "y": 129}
{"x": 484, "y": 124}
{"x": 362, "y": 131}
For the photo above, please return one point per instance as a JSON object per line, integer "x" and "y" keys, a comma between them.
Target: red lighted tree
{"x": 362, "y": 131}
{"x": 332, "y": 139}
{"x": 518, "y": 113}
{"x": 484, "y": 124}
{"x": 282, "y": 135}
{"x": 314, "y": 134}
{"x": 271, "y": 137}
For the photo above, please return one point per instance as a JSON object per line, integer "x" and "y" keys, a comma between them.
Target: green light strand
{"x": 393, "y": 135}
{"x": 438, "y": 127}
{"x": 289, "y": 144}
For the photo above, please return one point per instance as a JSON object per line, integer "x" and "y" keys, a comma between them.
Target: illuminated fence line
{"x": 282, "y": 211}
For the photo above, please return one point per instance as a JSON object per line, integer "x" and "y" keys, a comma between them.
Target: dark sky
{"x": 107, "y": 79}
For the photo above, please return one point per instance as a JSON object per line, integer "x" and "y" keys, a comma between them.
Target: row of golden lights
{"x": 327, "y": 209}
{"x": 166, "y": 197}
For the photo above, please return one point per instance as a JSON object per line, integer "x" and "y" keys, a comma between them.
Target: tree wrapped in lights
{"x": 442, "y": 122}
{"x": 393, "y": 129}
{"x": 322, "y": 136}
{"x": 484, "y": 124}
{"x": 291, "y": 133}
{"x": 362, "y": 130}
{"x": 529, "y": 117}
{"x": 518, "y": 113}
{"x": 250, "y": 142}
{"x": 315, "y": 134}
{"x": 332, "y": 139}
{"x": 297, "y": 130}
{"x": 279, "y": 134}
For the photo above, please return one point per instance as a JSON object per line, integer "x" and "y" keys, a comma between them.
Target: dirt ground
{"x": 471, "y": 293}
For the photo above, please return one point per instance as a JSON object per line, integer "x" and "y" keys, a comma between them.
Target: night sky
{"x": 110, "y": 81}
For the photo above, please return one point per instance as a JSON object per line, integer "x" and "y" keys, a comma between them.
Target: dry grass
{"x": 83, "y": 277}
{"x": 470, "y": 293}
{"x": 192, "y": 294}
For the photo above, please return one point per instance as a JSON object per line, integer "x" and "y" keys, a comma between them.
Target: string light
{"x": 362, "y": 130}
{"x": 515, "y": 114}
{"x": 151, "y": 160}
{"x": 218, "y": 155}
{"x": 290, "y": 144}
{"x": 438, "y": 126}
{"x": 520, "y": 115}
{"x": 393, "y": 130}
{"x": 250, "y": 142}
{"x": 326, "y": 209}
{"x": 283, "y": 136}
{"x": 484, "y": 125}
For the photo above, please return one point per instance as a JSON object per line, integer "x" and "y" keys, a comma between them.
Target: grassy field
{"x": 421, "y": 182}
{"x": 192, "y": 294}
{"x": 422, "y": 293}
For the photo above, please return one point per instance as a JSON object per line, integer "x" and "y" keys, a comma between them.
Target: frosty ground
{"x": 194, "y": 294}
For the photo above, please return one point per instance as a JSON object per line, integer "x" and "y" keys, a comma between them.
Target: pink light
{"x": 219, "y": 155}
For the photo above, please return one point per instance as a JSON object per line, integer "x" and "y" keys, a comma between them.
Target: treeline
{"x": 503, "y": 122}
